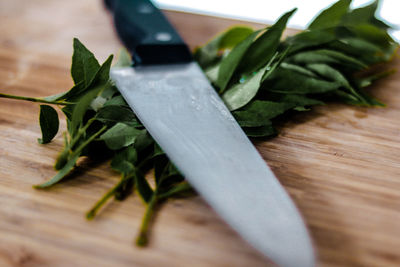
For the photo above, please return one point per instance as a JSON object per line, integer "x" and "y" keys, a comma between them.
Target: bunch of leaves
{"x": 101, "y": 125}
{"x": 259, "y": 77}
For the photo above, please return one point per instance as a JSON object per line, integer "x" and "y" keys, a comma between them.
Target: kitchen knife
{"x": 174, "y": 100}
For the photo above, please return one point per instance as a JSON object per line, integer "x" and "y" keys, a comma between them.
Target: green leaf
{"x": 327, "y": 56}
{"x": 84, "y": 65}
{"x": 241, "y": 93}
{"x": 234, "y": 36}
{"x": 98, "y": 83}
{"x": 68, "y": 167}
{"x": 212, "y": 73}
{"x": 76, "y": 90}
{"x": 377, "y": 37}
{"x": 112, "y": 114}
{"x": 300, "y": 100}
{"x": 48, "y": 123}
{"x": 343, "y": 58}
{"x": 264, "y": 47}
{"x": 297, "y": 84}
{"x": 208, "y": 54}
{"x": 309, "y": 39}
{"x": 259, "y": 113}
{"x": 80, "y": 109}
{"x": 361, "y": 15}
{"x": 109, "y": 92}
{"x": 329, "y": 73}
{"x": 331, "y": 16}
{"x": 103, "y": 74}
{"x": 124, "y": 161}
{"x": 229, "y": 64}
{"x": 298, "y": 68}
{"x": 312, "y": 57}
{"x": 80, "y": 88}
{"x": 263, "y": 131}
{"x": 363, "y": 50}
{"x": 143, "y": 141}
{"x": 120, "y": 135}
{"x": 334, "y": 75}
{"x": 117, "y": 100}
{"x": 365, "y": 14}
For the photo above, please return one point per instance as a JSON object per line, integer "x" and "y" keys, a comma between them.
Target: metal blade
{"x": 187, "y": 118}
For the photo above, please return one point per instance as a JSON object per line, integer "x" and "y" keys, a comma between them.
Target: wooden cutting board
{"x": 340, "y": 164}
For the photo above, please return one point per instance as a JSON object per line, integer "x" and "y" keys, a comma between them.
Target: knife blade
{"x": 174, "y": 100}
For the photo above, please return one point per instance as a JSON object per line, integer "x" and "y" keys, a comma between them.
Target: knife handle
{"x": 146, "y": 33}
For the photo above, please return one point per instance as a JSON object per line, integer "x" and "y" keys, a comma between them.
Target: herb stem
{"x": 181, "y": 188}
{"x": 84, "y": 144}
{"x": 82, "y": 131}
{"x": 142, "y": 239}
{"x": 93, "y": 211}
{"x": 35, "y": 99}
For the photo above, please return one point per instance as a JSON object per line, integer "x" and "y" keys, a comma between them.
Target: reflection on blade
{"x": 186, "y": 117}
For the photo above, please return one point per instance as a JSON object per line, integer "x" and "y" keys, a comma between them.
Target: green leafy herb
{"x": 265, "y": 46}
{"x": 49, "y": 123}
{"x": 241, "y": 93}
{"x": 259, "y": 76}
{"x": 84, "y": 64}
{"x": 119, "y": 136}
{"x": 209, "y": 54}
{"x": 232, "y": 60}
{"x": 332, "y": 16}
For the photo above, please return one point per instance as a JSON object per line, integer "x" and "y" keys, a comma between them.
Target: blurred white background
{"x": 265, "y": 11}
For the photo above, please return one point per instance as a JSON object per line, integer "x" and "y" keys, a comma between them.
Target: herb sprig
{"x": 249, "y": 68}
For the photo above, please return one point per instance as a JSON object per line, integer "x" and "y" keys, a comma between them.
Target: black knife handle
{"x": 146, "y": 33}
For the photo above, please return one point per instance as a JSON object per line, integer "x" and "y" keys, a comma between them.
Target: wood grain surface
{"x": 340, "y": 164}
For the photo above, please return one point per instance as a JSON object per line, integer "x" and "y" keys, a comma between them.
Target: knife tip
{"x": 297, "y": 256}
